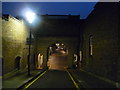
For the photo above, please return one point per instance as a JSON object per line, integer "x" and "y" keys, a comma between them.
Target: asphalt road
{"x": 57, "y": 61}
{"x": 54, "y": 79}
{"x": 56, "y": 76}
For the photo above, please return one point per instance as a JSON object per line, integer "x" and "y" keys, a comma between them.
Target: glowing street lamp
{"x": 30, "y": 16}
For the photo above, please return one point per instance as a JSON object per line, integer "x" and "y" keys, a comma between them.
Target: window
{"x": 91, "y": 45}
{"x": 80, "y": 56}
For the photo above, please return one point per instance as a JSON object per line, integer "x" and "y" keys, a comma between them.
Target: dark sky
{"x": 52, "y": 8}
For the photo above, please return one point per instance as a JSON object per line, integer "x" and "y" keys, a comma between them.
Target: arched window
{"x": 17, "y": 62}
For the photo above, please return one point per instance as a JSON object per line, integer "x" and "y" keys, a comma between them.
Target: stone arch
{"x": 43, "y": 43}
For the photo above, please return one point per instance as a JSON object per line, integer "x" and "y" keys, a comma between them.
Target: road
{"x": 56, "y": 76}
{"x": 57, "y": 61}
{"x": 53, "y": 79}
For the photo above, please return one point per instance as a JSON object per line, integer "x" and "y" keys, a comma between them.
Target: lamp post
{"x": 30, "y": 16}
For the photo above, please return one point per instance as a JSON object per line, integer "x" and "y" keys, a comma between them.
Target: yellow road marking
{"x": 73, "y": 80}
{"x": 35, "y": 80}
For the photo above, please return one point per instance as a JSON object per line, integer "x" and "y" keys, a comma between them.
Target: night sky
{"x": 51, "y": 8}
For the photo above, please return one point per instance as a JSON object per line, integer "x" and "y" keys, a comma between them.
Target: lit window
{"x": 91, "y": 45}
{"x": 80, "y": 55}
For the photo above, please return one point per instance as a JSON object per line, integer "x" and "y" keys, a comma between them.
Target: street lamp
{"x": 30, "y": 16}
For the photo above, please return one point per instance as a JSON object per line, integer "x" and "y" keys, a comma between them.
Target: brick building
{"x": 14, "y": 46}
{"x": 96, "y": 40}
{"x": 50, "y": 30}
{"x": 101, "y": 37}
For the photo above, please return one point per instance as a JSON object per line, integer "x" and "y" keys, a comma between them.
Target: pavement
{"x": 87, "y": 81}
{"x": 19, "y": 79}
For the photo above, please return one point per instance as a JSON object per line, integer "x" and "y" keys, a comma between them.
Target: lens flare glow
{"x": 30, "y": 16}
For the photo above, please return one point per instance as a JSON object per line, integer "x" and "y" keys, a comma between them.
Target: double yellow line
{"x": 76, "y": 85}
{"x": 44, "y": 73}
{"x": 35, "y": 80}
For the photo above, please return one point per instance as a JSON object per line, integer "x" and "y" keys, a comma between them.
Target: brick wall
{"x": 14, "y": 34}
{"x": 102, "y": 24}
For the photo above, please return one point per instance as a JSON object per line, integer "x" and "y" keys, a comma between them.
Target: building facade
{"x": 14, "y": 45}
{"x": 101, "y": 41}
{"x": 58, "y": 28}
{"x": 50, "y": 30}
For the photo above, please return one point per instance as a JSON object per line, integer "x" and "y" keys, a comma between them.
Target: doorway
{"x": 40, "y": 61}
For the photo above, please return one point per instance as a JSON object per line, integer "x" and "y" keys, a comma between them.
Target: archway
{"x": 57, "y": 56}
{"x": 40, "y": 61}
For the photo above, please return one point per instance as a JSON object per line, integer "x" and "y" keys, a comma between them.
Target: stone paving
{"x": 19, "y": 79}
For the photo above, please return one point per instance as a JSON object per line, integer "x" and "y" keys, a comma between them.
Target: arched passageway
{"x": 57, "y": 56}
